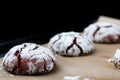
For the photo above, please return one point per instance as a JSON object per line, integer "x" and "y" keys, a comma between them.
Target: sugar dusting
{"x": 72, "y": 41}
{"x": 30, "y": 51}
{"x": 76, "y": 78}
{"x": 117, "y": 54}
{"x": 115, "y": 59}
{"x": 113, "y": 30}
{"x": 71, "y": 78}
{"x": 4, "y": 73}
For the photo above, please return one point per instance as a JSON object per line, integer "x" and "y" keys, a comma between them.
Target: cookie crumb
{"x": 87, "y": 79}
{"x": 11, "y": 75}
{"x": 72, "y": 78}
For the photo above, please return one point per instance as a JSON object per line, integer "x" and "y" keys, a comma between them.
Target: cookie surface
{"x": 29, "y": 58}
{"x": 70, "y": 44}
{"x": 116, "y": 59}
{"x": 103, "y": 32}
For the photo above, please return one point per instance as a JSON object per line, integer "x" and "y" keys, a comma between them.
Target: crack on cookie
{"x": 116, "y": 63}
{"x": 57, "y": 39}
{"x": 98, "y": 28}
{"x": 45, "y": 69}
{"x": 52, "y": 59}
{"x": 36, "y": 47}
{"x": 74, "y": 43}
{"x": 17, "y": 68}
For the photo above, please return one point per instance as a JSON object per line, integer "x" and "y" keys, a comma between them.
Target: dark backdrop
{"x": 46, "y": 23}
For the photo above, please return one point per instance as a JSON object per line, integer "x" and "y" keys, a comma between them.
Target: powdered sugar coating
{"x": 116, "y": 59}
{"x": 29, "y": 58}
{"x": 70, "y": 44}
{"x": 103, "y": 32}
{"x": 71, "y": 78}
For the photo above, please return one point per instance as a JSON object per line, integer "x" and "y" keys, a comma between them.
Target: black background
{"x": 19, "y": 23}
{"x": 38, "y": 22}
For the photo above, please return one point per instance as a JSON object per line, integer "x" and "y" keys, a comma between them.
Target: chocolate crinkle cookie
{"x": 116, "y": 59}
{"x": 103, "y": 32}
{"x": 29, "y": 58}
{"x": 70, "y": 44}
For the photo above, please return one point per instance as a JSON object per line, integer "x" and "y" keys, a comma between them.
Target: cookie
{"x": 29, "y": 58}
{"x": 103, "y": 32}
{"x": 70, "y": 44}
{"x": 116, "y": 59}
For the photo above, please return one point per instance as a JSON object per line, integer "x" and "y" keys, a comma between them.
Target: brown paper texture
{"x": 108, "y": 19}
